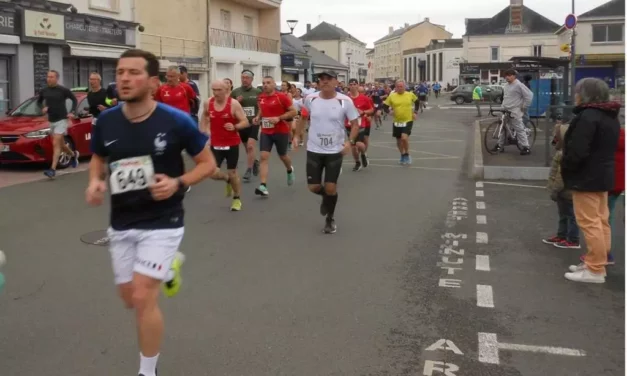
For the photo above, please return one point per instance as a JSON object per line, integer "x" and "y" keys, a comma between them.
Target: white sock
{"x": 148, "y": 366}
{"x": 170, "y": 275}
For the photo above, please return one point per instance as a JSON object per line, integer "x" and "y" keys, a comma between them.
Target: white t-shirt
{"x": 327, "y": 133}
{"x": 309, "y": 91}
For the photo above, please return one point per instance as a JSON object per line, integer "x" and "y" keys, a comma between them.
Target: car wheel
{"x": 459, "y": 100}
{"x": 64, "y": 158}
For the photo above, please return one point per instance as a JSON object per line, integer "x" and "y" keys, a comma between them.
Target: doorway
{"x": 5, "y": 87}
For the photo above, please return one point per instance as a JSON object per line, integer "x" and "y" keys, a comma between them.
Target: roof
{"x": 326, "y": 31}
{"x": 399, "y": 32}
{"x": 370, "y": 51}
{"x": 317, "y": 57}
{"x": 533, "y": 22}
{"x": 613, "y": 8}
{"x": 436, "y": 44}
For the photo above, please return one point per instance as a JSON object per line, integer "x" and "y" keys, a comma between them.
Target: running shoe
{"x": 553, "y": 240}
{"x": 74, "y": 161}
{"x": 329, "y": 226}
{"x": 408, "y": 159}
{"x": 567, "y": 245}
{"x": 172, "y": 287}
{"x": 228, "y": 190}
{"x": 248, "y": 175}
{"x": 256, "y": 168}
{"x": 402, "y": 160}
{"x": 236, "y": 205}
{"x": 364, "y": 160}
{"x": 50, "y": 173}
{"x": 262, "y": 191}
{"x": 357, "y": 166}
{"x": 189, "y": 189}
{"x": 291, "y": 177}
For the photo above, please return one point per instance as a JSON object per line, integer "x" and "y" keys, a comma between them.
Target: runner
{"x": 247, "y": 95}
{"x": 422, "y": 91}
{"x": 195, "y": 105}
{"x": 97, "y": 97}
{"x": 365, "y": 108}
{"x": 112, "y": 94}
{"x": 297, "y": 100}
{"x": 402, "y": 103}
{"x": 327, "y": 143}
{"x": 368, "y": 123}
{"x": 175, "y": 93}
{"x": 53, "y": 97}
{"x": 275, "y": 110}
{"x": 377, "y": 95}
{"x": 141, "y": 143}
{"x": 223, "y": 120}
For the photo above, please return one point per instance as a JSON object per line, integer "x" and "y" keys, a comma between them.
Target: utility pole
{"x": 572, "y": 58}
{"x": 208, "y": 46}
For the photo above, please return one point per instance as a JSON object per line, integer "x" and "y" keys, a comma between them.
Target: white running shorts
{"x": 147, "y": 252}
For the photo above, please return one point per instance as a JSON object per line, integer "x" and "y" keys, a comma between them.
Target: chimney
{"x": 308, "y": 27}
{"x": 515, "y": 14}
{"x": 391, "y": 30}
{"x": 426, "y": 19}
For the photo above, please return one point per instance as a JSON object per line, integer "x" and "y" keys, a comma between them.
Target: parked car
{"x": 25, "y": 133}
{"x": 463, "y": 93}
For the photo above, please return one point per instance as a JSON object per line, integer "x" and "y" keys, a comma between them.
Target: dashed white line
{"x": 482, "y": 237}
{"x": 479, "y": 184}
{"x": 489, "y": 347}
{"x": 480, "y": 205}
{"x": 481, "y": 219}
{"x": 479, "y": 193}
{"x": 485, "y": 298}
{"x": 482, "y": 263}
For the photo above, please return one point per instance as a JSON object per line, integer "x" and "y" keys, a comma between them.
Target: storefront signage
{"x": 79, "y": 31}
{"x": 43, "y": 26}
{"x": 7, "y": 23}
{"x": 290, "y": 60}
{"x": 41, "y": 63}
{"x": 469, "y": 69}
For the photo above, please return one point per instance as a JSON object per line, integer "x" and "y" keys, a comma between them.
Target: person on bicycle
{"x": 516, "y": 100}
{"x": 422, "y": 92}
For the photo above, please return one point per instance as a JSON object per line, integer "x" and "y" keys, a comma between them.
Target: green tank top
{"x": 249, "y": 103}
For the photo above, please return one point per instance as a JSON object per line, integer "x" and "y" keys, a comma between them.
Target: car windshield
{"x": 28, "y": 108}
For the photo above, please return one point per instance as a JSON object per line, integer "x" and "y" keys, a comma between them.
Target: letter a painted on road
{"x": 445, "y": 344}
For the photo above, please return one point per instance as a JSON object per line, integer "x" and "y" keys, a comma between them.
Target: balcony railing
{"x": 229, "y": 39}
{"x": 177, "y": 49}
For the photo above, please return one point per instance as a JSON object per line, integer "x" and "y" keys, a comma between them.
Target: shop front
{"x": 362, "y": 73}
{"x": 607, "y": 67}
{"x": 93, "y": 45}
{"x": 9, "y": 42}
{"x": 294, "y": 68}
{"x": 482, "y": 73}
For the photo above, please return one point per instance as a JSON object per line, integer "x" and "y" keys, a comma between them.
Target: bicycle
{"x": 494, "y": 131}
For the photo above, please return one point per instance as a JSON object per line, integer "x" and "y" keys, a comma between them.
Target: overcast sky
{"x": 369, "y": 20}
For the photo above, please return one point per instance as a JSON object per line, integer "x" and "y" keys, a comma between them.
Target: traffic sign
{"x": 571, "y": 21}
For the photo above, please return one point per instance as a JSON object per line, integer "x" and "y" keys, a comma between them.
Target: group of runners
{"x": 137, "y": 156}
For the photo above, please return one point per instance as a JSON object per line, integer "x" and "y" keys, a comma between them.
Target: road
{"x": 266, "y": 293}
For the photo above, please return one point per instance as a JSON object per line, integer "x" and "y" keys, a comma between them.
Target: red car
{"x": 24, "y": 133}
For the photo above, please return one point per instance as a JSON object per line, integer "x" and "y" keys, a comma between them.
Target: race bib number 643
{"x": 131, "y": 174}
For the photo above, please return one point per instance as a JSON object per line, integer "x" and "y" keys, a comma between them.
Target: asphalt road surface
{"x": 398, "y": 290}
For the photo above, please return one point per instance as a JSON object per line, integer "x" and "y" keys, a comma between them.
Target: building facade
{"x": 295, "y": 63}
{"x": 443, "y": 57}
{"x": 371, "y": 68}
{"x": 414, "y": 65}
{"x": 340, "y": 46}
{"x": 319, "y": 60}
{"x": 387, "y": 55}
{"x": 600, "y": 43}
{"x": 489, "y": 43}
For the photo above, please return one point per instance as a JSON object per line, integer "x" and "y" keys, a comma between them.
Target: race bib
{"x": 326, "y": 140}
{"x": 131, "y": 174}
{"x": 249, "y": 111}
{"x": 400, "y": 125}
{"x": 221, "y": 147}
{"x": 265, "y": 123}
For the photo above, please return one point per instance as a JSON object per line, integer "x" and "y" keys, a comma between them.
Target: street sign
{"x": 571, "y": 21}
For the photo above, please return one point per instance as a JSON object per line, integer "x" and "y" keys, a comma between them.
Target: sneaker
{"x": 402, "y": 160}
{"x": 585, "y": 275}
{"x": 172, "y": 287}
{"x": 357, "y": 166}
{"x": 408, "y": 159}
{"x": 261, "y": 191}
{"x": 189, "y": 189}
{"x": 330, "y": 227}
{"x": 50, "y": 173}
{"x": 228, "y": 190}
{"x": 301, "y": 143}
{"x": 364, "y": 160}
{"x": 525, "y": 151}
{"x": 567, "y": 245}
{"x": 236, "y": 205}
{"x": 578, "y": 268}
{"x": 553, "y": 240}
{"x": 247, "y": 175}
{"x": 497, "y": 149}
{"x": 291, "y": 177}
{"x": 74, "y": 161}
{"x": 256, "y": 168}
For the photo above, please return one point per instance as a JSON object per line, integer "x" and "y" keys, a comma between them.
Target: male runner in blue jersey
{"x": 141, "y": 142}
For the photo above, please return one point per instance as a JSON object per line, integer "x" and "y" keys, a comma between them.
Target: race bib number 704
{"x": 131, "y": 174}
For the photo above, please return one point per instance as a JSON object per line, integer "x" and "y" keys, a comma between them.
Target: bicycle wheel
{"x": 531, "y": 130}
{"x": 491, "y": 136}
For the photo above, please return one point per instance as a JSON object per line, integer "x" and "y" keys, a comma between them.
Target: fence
{"x": 229, "y": 39}
{"x": 178, "y": 49}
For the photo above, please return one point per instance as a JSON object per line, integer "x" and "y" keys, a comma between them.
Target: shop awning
{"x": 291, "y": 70}
{"x": 95, "y": 50}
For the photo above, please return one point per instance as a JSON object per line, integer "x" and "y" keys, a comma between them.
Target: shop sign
{"x": 46, "y": 26}
{"x": 469, "y": 69}
{"x": 79, "y": 31}
{"x": 290, "y": 60}
{"x": 7, "y": 23}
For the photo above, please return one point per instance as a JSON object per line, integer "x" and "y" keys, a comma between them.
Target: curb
{"x": 476, "y": 168}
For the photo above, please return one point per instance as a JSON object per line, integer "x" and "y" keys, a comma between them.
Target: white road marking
{"x": 481, "y": 220}
{"x": 479, "y": 193}
{"x": 482, "y": 263}
{"x": 408, "y": 167}
{"x": 485, "y": 298}
{"x": 479, "y": 184}
{"x": 480, "y": 205}
{"x": 489, "y": 349}
{"x": 482, "y": 238}
{"x": 414, "y": 151}
{"x": 413, "y": 158}
{"x": 514, "y": 185}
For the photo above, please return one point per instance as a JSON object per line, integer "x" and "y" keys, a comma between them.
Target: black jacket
{"x": 589, "y": 147}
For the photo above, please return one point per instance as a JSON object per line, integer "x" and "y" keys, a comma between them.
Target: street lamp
{"x": 348, "y": 55}
{"x": 292, "y": 25}
{"x": 306, "y": 48}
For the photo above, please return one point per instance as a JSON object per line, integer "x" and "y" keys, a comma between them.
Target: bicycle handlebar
{"x": 505, "y": 112}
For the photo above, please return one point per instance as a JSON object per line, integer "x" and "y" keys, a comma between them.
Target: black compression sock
{"x": 264, "y": 184}
{"x": 235, "y": 197}
{"x": 320, "y": 192}
{"x": 330, "y": 204}
{"x": 289, "y": 170}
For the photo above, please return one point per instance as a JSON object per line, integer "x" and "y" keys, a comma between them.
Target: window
{"x": 248, "y": 22}
{"x": 607, "y": 33}
{"x": 537, "y": 50}
{"x": 494, "y": 54}
{"x": 267, "y": 71}
{"x": 225, "y": 17}
{"x": 83, "y": 106}
{"x": 109, "y": 5}
{"x": 440, "y": 65}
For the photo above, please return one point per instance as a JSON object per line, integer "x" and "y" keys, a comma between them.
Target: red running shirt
{"x": 179, "y": 96}
{"x": 362, "y": 103}
{"x": 219, "y": 135}
{"x": 273, "y": 105}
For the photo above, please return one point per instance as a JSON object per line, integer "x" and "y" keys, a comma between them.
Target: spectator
{"x": 567, "y": 230}
{"x": 588, "y": 170}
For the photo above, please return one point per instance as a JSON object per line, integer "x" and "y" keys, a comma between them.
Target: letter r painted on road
{"x": 446, "y": 282}
{"x": 446, "y": 369}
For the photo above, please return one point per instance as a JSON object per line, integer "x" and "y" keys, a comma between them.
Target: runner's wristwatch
{"x": 181, "y": 184}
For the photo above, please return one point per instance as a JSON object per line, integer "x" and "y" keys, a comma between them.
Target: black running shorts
{"x": 231, "y": 155}
{"x": 249, "y": 132}
{"x": 329, "y": 164}
{"x": 280, "y": 140}
{"x": 363, "y": 132}
{"x": 397, "y": 132}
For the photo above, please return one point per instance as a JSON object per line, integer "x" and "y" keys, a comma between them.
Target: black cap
{"x": 329, "y": 73}
{"x": 183, "y": 68}
{"x": 353, "y": 81}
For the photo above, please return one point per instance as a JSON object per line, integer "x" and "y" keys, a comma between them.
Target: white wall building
{"x": 414, "y": 65}
{"x": 445, "y": 55}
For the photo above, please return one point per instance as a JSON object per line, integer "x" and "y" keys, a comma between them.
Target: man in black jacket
{"x": 588, "y": 170}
